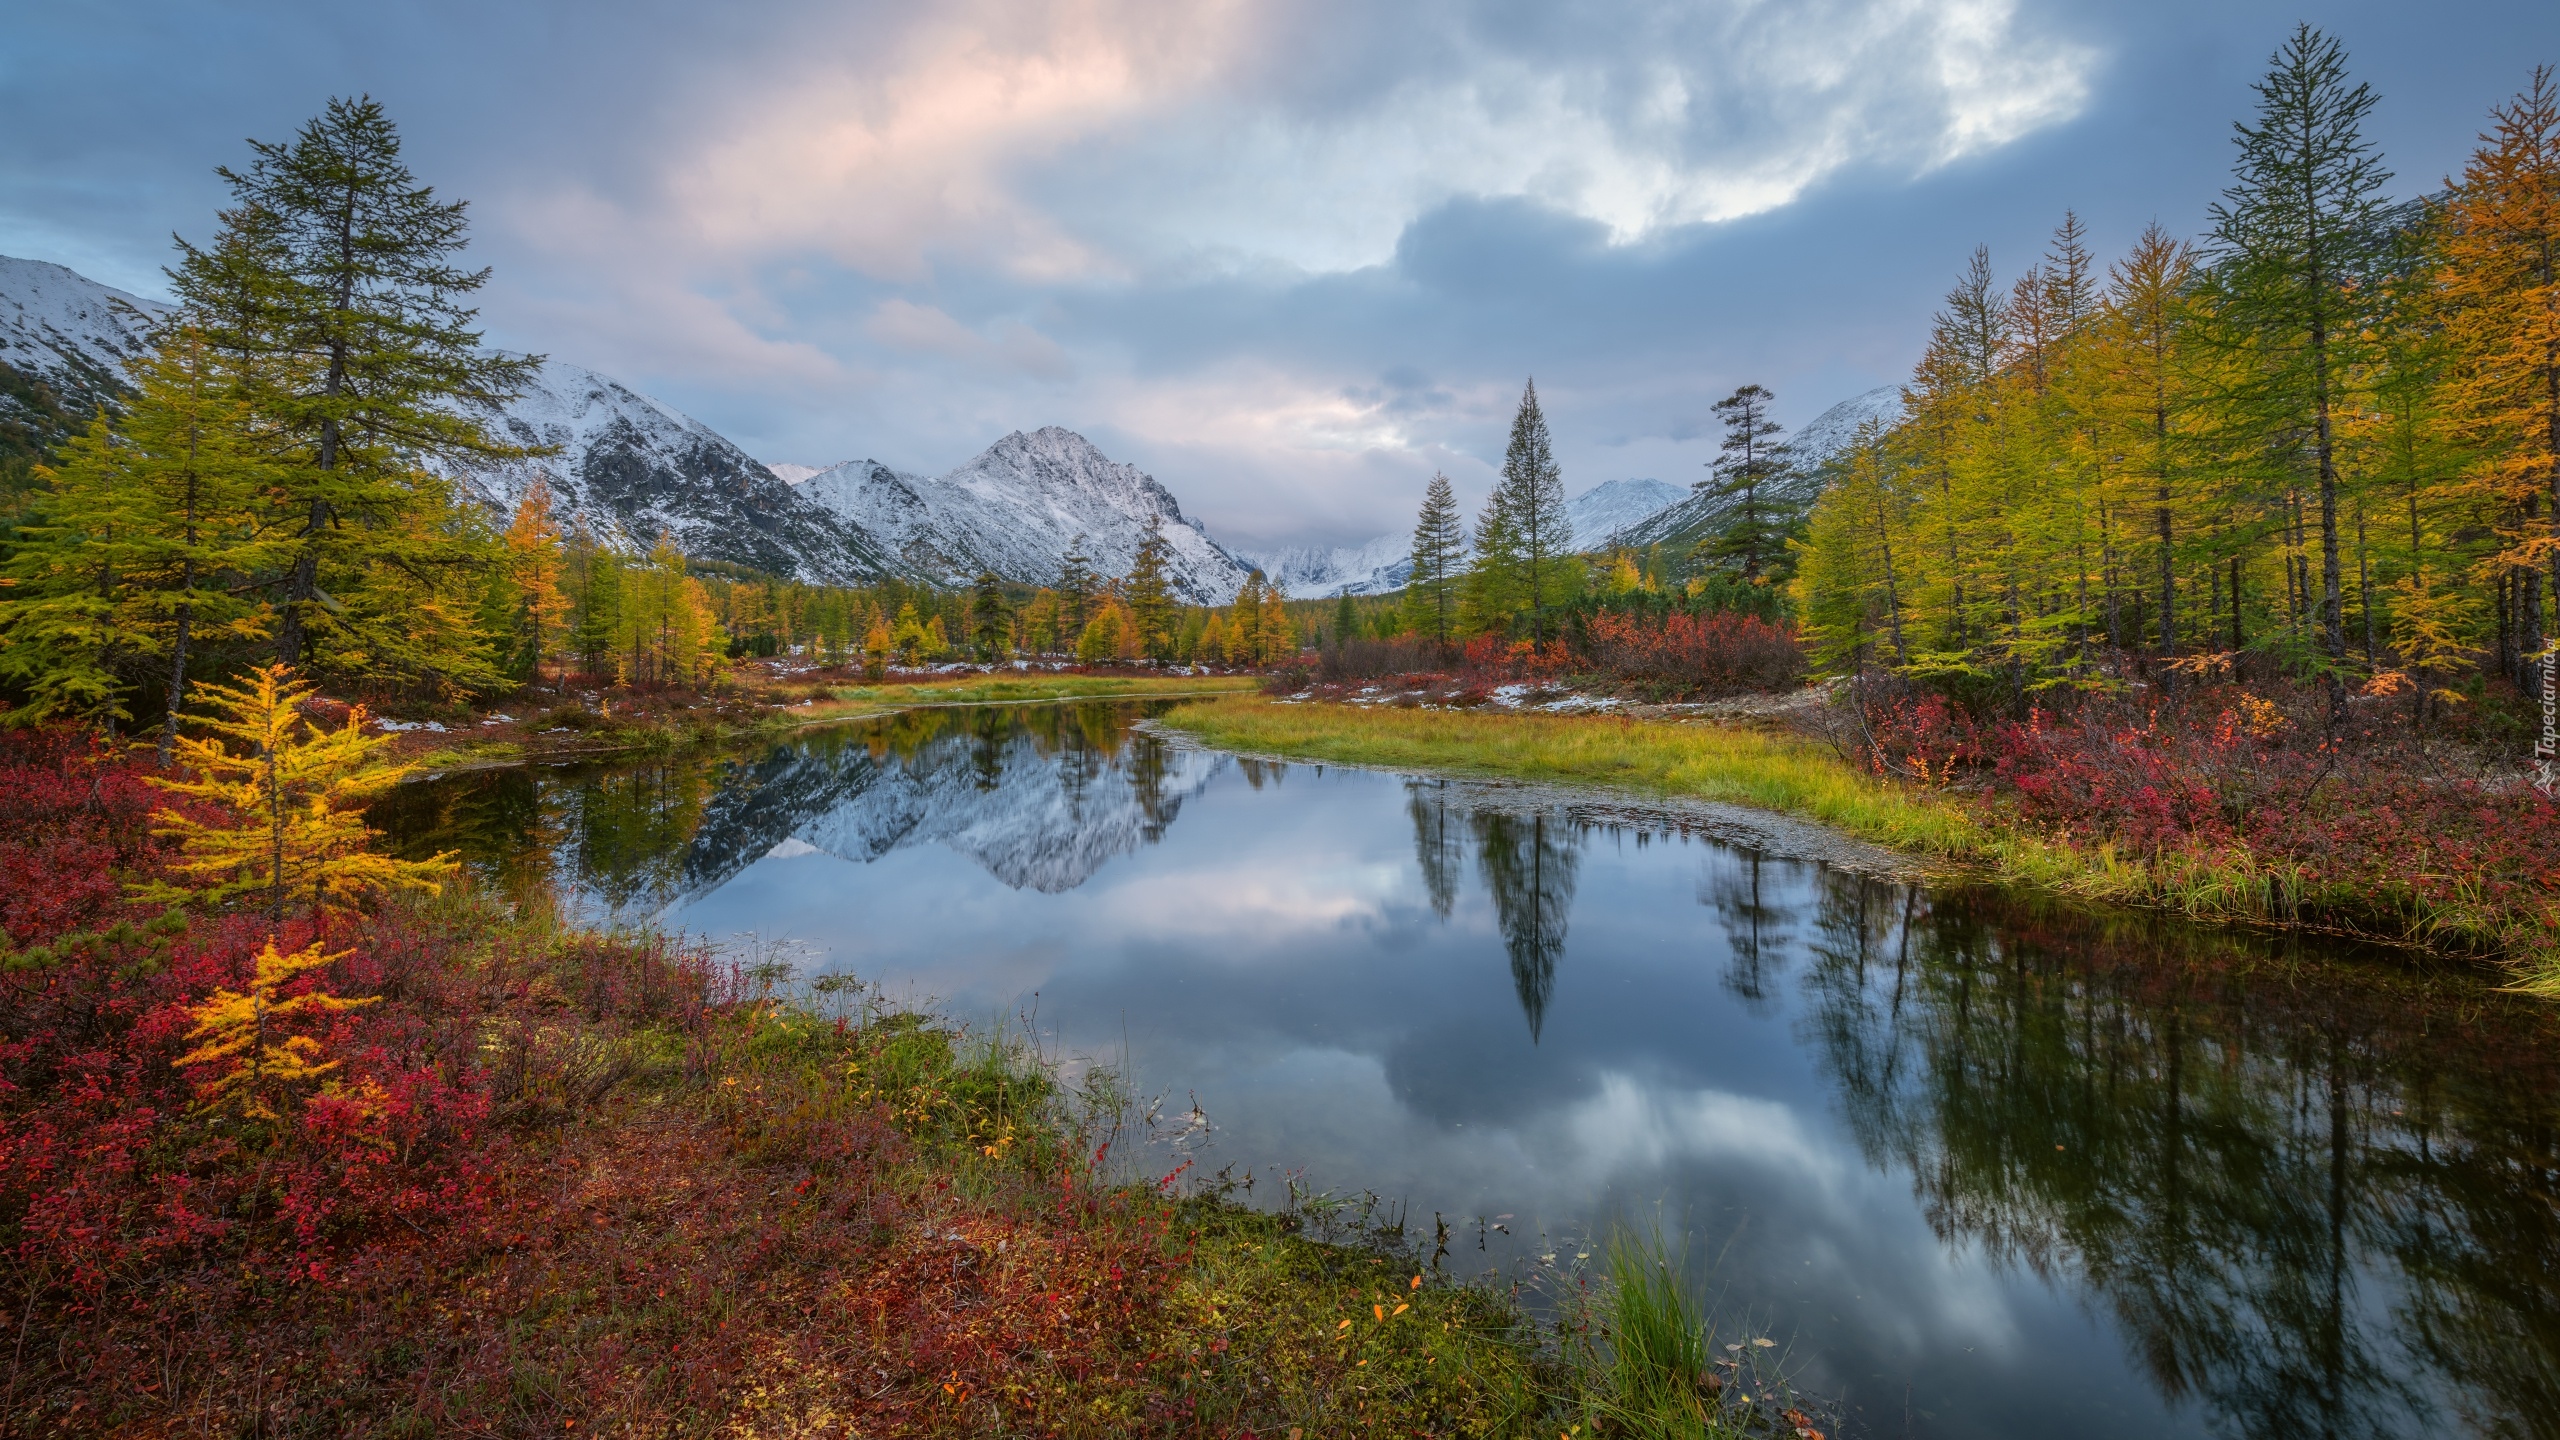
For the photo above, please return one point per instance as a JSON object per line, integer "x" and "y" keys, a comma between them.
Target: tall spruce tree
{"x": 1150, "y": 593}
{"x": 1531, "y": 499}
{"x": 1439, "y": 551}
{"x": 334, "y": 284}
{"x": 990, "y": 618}
{"x": 2295, "y": 238}
{"x": 1749, "y": 465}
{"x": 1492, "y": 594}
{"x": 1076, "y": 582}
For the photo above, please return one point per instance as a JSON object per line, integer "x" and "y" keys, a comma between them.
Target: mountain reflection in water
{"x": 1990, "y": 1168}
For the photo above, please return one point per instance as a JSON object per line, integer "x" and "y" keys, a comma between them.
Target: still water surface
{"x": 1987, "y": 1169}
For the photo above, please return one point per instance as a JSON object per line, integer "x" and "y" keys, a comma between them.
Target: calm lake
{"x": 1984, "y": 1168}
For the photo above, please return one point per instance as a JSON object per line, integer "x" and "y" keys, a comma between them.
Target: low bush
{"x": 2356, "y": 826}
{"x": 1711, "y": 653}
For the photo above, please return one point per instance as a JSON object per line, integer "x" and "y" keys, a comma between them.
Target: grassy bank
{"x": 1774, "y": 771}
{"x": 616, "y": 721}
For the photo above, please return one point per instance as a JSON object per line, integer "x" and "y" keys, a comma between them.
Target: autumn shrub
{"x": 1368, "y": 659}
{"x": 1707, "y": 653}
{"x": 117, "y": 1161}
{"x": 2354, "y": 826}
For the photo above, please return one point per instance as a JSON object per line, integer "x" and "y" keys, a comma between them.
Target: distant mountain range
{"x": 1701, "y": 512}
{"x": 1386, "y": 563}
{"x": 629, "y": 468}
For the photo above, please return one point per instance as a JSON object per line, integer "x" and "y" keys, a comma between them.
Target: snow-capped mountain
{"x": 1605, "y": 509}
{"x": 1017, "y": 508}
{"x": 71, "y": 335}
{"x": 793, "y": 474}
{"x": 1830, "y": 432}
{"x": 1311, "y": 572}
{"x": 1682, "y": 525}
{"x": 1314, "y": 572}
{"x": 630, "y": 467}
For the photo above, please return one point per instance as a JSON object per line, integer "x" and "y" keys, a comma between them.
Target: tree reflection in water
{"x": 1439, "y": 842}
{"x": 1528, "y": 862}
{"x": 2304, "y": 1210}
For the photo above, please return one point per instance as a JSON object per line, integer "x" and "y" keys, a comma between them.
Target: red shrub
{"x": 1716, "y": 653}
{"x": 2363, "y": 833}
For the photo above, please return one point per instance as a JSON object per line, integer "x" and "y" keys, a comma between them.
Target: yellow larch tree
{"x": 2499, "y": 273}
{"x": 534, "y": 565}
{"x": 291, "y": 797}
{"x": 239, "y": 1041}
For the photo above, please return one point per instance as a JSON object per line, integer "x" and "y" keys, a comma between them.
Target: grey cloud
{"x": 1282, "y": 400}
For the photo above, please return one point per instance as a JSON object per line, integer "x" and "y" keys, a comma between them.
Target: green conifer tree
{"x": 2295, "y": 238}
{"x": 1149, "y": 594}
{"x": 1749, "y": 465}
{"x": 333, "y": 282}
{"x": 990, "y": 618}
{"x": 1076, "y": 584}
{"x": 1439, "y": 552}
{"x": 135, "y": 548}
{"x": 1532, "y": 490}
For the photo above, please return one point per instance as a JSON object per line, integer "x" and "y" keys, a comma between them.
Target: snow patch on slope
{"x": 1830, "y": 432}
{"x": 1605, "y": 509}
{"x": 71, "y": 332}
{"x": 628, "y": 468}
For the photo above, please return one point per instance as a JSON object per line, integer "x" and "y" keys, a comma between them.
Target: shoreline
{"x": 1754, "y": 781}
{"x": 471, "y": 751}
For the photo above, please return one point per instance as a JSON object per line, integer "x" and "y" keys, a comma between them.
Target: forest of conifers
{"x": 2324, "y": 433}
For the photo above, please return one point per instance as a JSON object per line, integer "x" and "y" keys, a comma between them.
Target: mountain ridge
{"x": 1016, "y": 508}
{"x": 65, "y": 341}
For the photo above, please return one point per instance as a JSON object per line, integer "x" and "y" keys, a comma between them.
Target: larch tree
{"x": 1244, "y": 623}
{"x": 1439, "y": 553}
{"x": 138, "y": 546}
{"x": 2498, "y": 272}
{"x": 2146, "y": 393}
{"x": 291, "y": 795}
{"x": 1532, "y": 503}
{"x": 533, "y": 573}
{"x": 334, "y": 284}
{"x": 2294, "y": 239}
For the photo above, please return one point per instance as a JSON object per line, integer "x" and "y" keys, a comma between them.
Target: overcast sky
{"x": 1289, "y": 255}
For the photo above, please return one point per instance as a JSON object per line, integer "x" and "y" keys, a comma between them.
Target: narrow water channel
{"x": 1984, "y": 1167}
